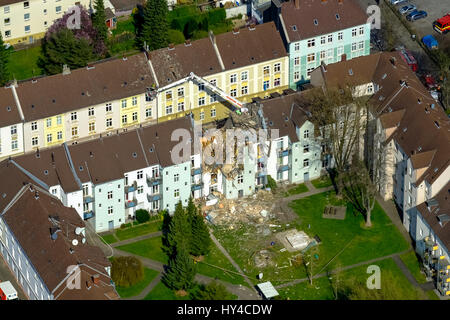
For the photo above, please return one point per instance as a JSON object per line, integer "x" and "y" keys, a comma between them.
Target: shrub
{"x": 126, "y": 271}
{"x": 142, "y": 215}
{"x": 271, "y": 183}
{"x": 211, "y": 291}
{"x": 125, "y": 225}
{"x": 216, "y": 16}
{"x": 199, "y": 34}
{"x": 176, "y": 36}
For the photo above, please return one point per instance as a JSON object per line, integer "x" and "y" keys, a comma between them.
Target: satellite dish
{"x": 74, "y": 242}
{"x": 78, "y": 230}
{"x": 83, "y": 241}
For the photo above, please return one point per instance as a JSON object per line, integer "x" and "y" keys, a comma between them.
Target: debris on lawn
{"x": 294, "y": 240}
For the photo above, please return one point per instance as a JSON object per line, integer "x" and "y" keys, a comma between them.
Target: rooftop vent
{"x": 8, "y": 108}
{"x": 134, "y": 154}
{"x": 436, "y": 124}
{"x": 432, "y": 106}
{"x": 350, "y": 72}
{"x": 316, "y": 22}
{"x": 405, "y": 129}
{"x": 384, "y": 76}
{"x": 419, "y": 101}
{"x": 90, "y": 66}
{"x": 54, "y": 232}
{"x": 294, "y": 27}
{"x": 46, "y": 172}
{"x": 337, "y": 16}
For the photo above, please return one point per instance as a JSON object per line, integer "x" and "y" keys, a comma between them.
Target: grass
{"x": 139, "y": 230}
{"x": 148, "y": 248}
{"x": 432, "y": 295}
{"x": 322, "y": 182}
{"x": 359, "y": 243}
{"x": 161, "y": 292}
{"x": 322, "y": 288}
{"x": 23, "y": 63}
{"x": 136, "y": 289}
{"x": 301, "y": 188}
{"x": 124, "y": 26}
{"x": 109, "y": 238}
{"x": 411, "y": 261}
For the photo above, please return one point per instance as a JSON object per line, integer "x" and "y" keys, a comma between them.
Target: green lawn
{"x": 23, "y": 63}
{"x": 139, "y": 230}
{"x": 322, "y": 182}
{"x": 301, "y": 188}
{"x": 411, "y": 261}
{"x": 148, "y": 248}
{"x": 109, "y": 238}
{"x": 432, "y": 295}
{"x": 322, "y": 288}
{"x": 124, "y": 26}
{"x": 161, "y": 292}
{"x": 132, "y": 291}
{"x": 243, "y": 242}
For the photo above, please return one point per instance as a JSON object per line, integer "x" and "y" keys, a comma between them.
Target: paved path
{"x": 243, "y": 292}
{"x": 140, "y": 238}
{"x": 147, "y": 289}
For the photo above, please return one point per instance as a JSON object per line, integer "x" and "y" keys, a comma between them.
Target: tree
{"x": 310, "y": 261}
{"x": 99, "y": 21}
{"x": 271, "y": 183}
{"x": 153, "y": 29}
{"x": 4, "y": 57}
{"x": 126, "y": 271}
{"x": 175, "y": 36}
{"x": 181, "y": 271}
{"x": 179, "y": 233}
{"x": 443, "y": 61}
{"x": 212, "y": 291}
{"x": 200, "y": 240}
{"x": 142, "y": 215}
{"x": 190, "y": 27}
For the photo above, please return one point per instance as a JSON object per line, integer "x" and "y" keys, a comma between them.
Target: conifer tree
{"x": 179, "y": 233}
{"x": 99, "y": 21}
{"x": 4, "y": 72}
{"x": 181, "y": 271}
{"x": 201, "y": 240}
{"x": 154, "y": 27}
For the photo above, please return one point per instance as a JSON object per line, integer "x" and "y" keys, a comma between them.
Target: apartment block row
{"x": 409, "y": 134}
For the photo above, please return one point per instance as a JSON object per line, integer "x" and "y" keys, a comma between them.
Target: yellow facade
{"x": 129, "y": 111}
{"x": 54, "y": 131}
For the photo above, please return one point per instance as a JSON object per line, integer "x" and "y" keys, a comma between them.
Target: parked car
{"x": 416, "y": 15}
{"x": 407, "y": 9}
{"x": 430, "y": 42}
{"x": 396, "y": 2}
{"x": 442, "y": 25}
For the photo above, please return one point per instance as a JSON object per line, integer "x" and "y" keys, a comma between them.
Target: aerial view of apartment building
{"x": 225, "y": 150}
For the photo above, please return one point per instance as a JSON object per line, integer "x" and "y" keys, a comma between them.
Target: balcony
{"x": 88, "y": 215}
{"x": 196, "y": 171}
{"x": 261, "y": 159}
{"x": 131, "y": 203}
{"x": 88, "y": 199}
{"x": 153, "y": 181}
{"x": 284, "y": 167}
{"x": 283, "y": 153}
{"x": 131, "y": 188}
{"x": 153, "y": 197}
{"x": 197, "y": 186}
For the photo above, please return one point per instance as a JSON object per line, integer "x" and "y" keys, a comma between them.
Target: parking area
{"x": 6, "y": 275}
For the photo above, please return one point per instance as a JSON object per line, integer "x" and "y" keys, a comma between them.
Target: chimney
{"x": 187, "y": 42}
{"x": 235, "y": 30}
{"x": 171, "y": 46}
{"x": 66, "y": 70}
{"x": 393, "y": 61}
{"x": 344, "y": 57}
{"x": 252, "y": 26}
{"x": 96, "y": 279}
{"x": 297, "y": 4}
{"x": 340, "y": 1}
{"x": 324, "y": 1}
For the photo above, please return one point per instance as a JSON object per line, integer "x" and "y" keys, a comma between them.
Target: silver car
{"x": 407, "y": 9}
{"x": 396, "y": 2}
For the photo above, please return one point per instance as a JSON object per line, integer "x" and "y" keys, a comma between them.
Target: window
{"x": 266, "y": 70}
{"x": 322, "y": 39}
{"x": 311, "y": 43}
{"x": 176, "y": 193}
{"x": 201, "y": 101}
{"x": 109, "y": 122}
{"x": 306, "y": 134}
{"x": 296, "y": 75}
{"x": 201, "y": 87}
{"x": 330, "y": 54}
{"x": 58, "y": 9}
{"x": 124, "y": 118}
{"x": 49, "y": 137}
{"x": 58, "y": 120}
{"x": 140, "y": 189}
{"x": 90, "y": 112}
{"x": 108, "y": 107}
{"x": 124, "y": 103}
{"x": 296, "y": 61}
{"x": 354, "y": 46}
{"x": 14, "y": 145}
{"x": 59, "y": 135}
{"x": 45, "y": 12}
{"x": 370, "y": 88}
{"x": 213, "y": 113}
{"x": 180, "y": 92}
{"x": 240, "y": 179}
{"x": 110, "y": 210}
{"x": 202, "y": 115}
{"x": 306, "y": 163}
{"x": 140, "y": 174}
{"x": 213, "y": 98}
{"x": 27, "y": 29}
{"x": 148, "y": 112}
{"x": 311, "y": 57}
{"x": 176, "y": 177}
{"x": 155, "y": 172}
{"x": 49, "y": 122}
{"x": 305, "y": 148}
{"x": 276, "y": 82}
{"x": 233, "y": 92}
{"x": 74, "y": 131}
{"x": 354, "y": 32}
{"x": 73, "y": 116}
{"x": 134, "y": 101}
{"x": 361, "y": 45}
{"x": 26, "y": 4}
{"x": 323, "y": 55}
{"x": 361, "y": 31}
{"x": 340, "y": 36}
{"x": 7, "y": 21}
{"x": 330, "y": 38}
{"x": 155, "y": 189}
{"x": 91, "y": 127}
{"x": 13, "y": 130}
{"x": 26, "y": 16}
{"x": 135, "y": 116}
{"x": 277, "y": 67}
{"x": 7, "y": 33}
{"x": 110, "y": 194}
{"x": 340, "y": 51}
{"x": 169, "y": 109}
{"x": 244, "y": 76}
{"x": 169, "y": 95}
{"x": 233, "y": 78}
{"x": 244, "y": 90}
{"x": 297, "y": 46}
{"x": 34, "y": 141}
{"x": 266, "y": 85}
{"x": 6, "y": 9}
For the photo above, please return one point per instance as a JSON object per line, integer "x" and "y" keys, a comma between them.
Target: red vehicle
{"x": 442, "y": 25}
{"x": 409, "y": 59}
{"x": 430, "y": 82}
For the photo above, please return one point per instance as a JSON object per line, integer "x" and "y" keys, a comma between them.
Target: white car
{"x": 396, "y": 2}
{"x": 407, "y": 9}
